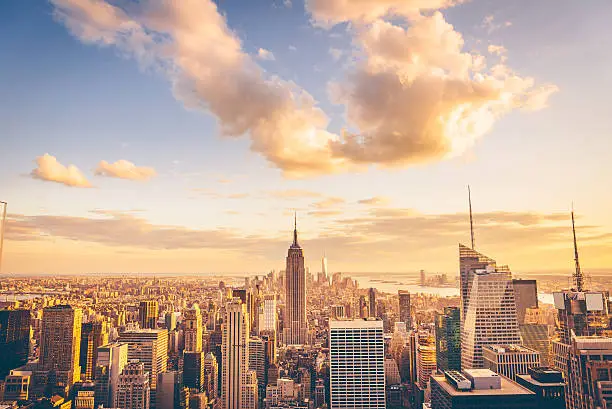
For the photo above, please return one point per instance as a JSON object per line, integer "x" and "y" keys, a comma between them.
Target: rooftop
{"x": 361, "y": 323}
{"x": 509, "y": 349}
{"x": 530, "y": 379}
{"x": 508, "y": 387}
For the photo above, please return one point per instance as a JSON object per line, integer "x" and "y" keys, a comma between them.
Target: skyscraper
{"x": 237, "y": 379}
{"x": 93, "y": 335}
{"x": 490, "y": 315}
{"x": 60, "y": 347}
{"x": 111, "y": 360}
{"x": 526, "y": 296}
{"x": 257, "y": 360}
{"x": 372, "y": 303}
{"x": 426, "y": 361}
{"x": 357, "y": 371}
{"x": 192, "y": 321}
{"x": 148, "y": 311}
{"x": 583, "y": 317}
{"x": 170, "y": 319}
{"x": 193, "y": 371}
{"x": 211, "y": 376}
{"x": 548, "y": 386}
{"x": 469, "y": 261}
{"x": 448, "y": 339}
{"x": 295, "y": 325}
{"x": 14, "y": 339}
{"x": 150, "y": 347}
{"x": 404, "y": 308}
{"x": 133, "y": 390}
{"x": 535, "y": 336}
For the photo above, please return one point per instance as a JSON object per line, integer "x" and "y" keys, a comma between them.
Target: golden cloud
{"x": 49, "y": 169}
{"x": 124, "y": 169}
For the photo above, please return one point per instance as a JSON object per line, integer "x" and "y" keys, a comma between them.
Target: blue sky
{"x": 83, "y": 103}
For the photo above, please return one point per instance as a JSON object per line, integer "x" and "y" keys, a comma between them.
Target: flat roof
{"x": 507, "y": 388}
{"x": 509, "y": 348}
{"x": 355, "y": 324}
{"x": 529, "y": 379}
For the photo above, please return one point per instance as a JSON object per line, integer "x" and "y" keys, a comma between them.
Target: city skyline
{"x": 114, "y": 164}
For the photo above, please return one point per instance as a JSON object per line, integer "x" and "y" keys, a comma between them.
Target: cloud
{"x": 417, "y": 97}
{"x": 292, "y": 48}
{"x": 328, "y": 202}
{"x": 49, "y": 169}
{"x": 264, "y": 54}
{"x": 331, "y": 12}
{"x": 403, "y": 238}
{"x": 288, "y": 3}
{"x": 375, "y": 201}
{"x": 124, "y": 169}
{"x": 490, "y": 25}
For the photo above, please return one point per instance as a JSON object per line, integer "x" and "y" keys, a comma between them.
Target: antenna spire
{"x": 578, "y": 276}
{"x": 295, "y": 242}
{"x": 471, "y": 219}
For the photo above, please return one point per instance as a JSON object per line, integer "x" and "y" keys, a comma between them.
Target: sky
{"x": 159, "y": 136}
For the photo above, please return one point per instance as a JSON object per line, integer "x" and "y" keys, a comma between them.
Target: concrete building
{"x": 17, "y": 385}
{"x": 93, "y": 335}
{"x": 405, "y": 313}
{"x": 60, "y": 349}
{"x": 193, "y": 371}
{"x": 425, "y": 361}
{"x": 536, "y": 336}
{"x": 133, "y": 390}
{"x": 171, "y": 394}
{"x": 14, "y": 339}
{"x": 510, "y": 360}
{"x": 526, "y": 296}
{"x": 269, "y": 313}
{"x": 357, "y": 372}
{"x": 192, "y": 322}
{"x": 111, "y": 359}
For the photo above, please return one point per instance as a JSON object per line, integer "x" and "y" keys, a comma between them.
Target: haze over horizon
{"x": 156, "y": 138}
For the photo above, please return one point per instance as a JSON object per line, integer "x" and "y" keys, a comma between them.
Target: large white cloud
{"x": 49, "y": 169}
{"x": 417, "y": 96}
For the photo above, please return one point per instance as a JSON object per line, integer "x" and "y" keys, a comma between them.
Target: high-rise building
{"x": 150, "y": 347}
{"x": 580, "y": 352}
{"x": 363, "y": 307}
{"x": 192, "y": 320}
{"x": 535, "y": 336}
{"x": 60, "y": 347}
{"x": 237, "y": 380}
{"x": 111, "y": 360}
{"x": 257, "y": 360}
{"x": 17, "y": 385}
{"x": 171, "y": 394}
{"x": 93, "y": 335}
{"x": 323, "y": 279}
{"x": 193, "y": 371}
{"x": 425, "y": 360}
{"x": 295, "y": 329}
{"x": 526, "y": 296}
{"x": 491, "y": 315}
{"x": 589, "y": 370}
{"x": 478, "y": 388}
{"x": 469, "y": 261}
{"x": 372, "y": 313}
{"x": 211, "y": 376}
{"x": 510, "y": 360}
{"x": 448, "y": 339}
{"x": 14, "y": 339}
{"x": 148, "y": 311}
{"x": 133, "y": 390}
{"x": 404, "y": 308}
{"x": 84, "y": 399}
{"x": 357, "y": 371}
{"x": 547, "y": 384}
{"x": 392, "y": 375}
{"x": 269, "y": 313}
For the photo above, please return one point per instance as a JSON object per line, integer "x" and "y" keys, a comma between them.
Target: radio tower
{"x": 471, "y": 220}
{"x": 578, "y": 276}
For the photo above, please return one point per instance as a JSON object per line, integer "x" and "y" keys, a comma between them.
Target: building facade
{"x": 295, "y": 328}
{"x": 448, "y": 339}
{"x": 510, "y": 360}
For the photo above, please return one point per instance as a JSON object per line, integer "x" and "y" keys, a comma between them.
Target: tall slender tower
{"x": 296, "y": 328}
{"x": 148, "y": 312}
{"x": 237, "y": 383}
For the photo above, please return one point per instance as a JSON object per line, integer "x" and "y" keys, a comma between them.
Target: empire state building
{"x": 295, "y": 325}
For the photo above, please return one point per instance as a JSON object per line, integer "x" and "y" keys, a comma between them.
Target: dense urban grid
{"x": 296, "y": 340}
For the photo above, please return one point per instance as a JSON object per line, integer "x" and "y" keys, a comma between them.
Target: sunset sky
{"x": 180, "y": 136}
